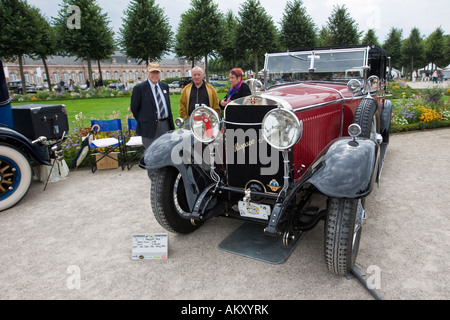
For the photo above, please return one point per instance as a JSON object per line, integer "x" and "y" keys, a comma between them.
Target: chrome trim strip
{"x": 243, "y": 124}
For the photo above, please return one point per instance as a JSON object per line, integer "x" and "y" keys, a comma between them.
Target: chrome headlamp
{"x": 281, "y": 128}
{"x": 205, "y": 124}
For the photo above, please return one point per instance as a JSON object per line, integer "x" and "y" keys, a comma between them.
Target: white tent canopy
{"x": 430, "y": 68}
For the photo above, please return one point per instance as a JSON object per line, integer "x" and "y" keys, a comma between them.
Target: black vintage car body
{"x": 20, "y": 153}
{"x": 309, "y": 148}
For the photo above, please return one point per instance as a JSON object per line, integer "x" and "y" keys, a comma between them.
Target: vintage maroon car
{"x": 309, "y": 148}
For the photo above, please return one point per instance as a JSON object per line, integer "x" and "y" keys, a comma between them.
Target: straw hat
{"x": 153, "y": 66}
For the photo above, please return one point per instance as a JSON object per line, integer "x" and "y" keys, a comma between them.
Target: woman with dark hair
{"x": 238, "y": 89}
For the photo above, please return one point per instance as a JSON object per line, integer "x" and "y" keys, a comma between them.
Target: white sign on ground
{"x": 150, "y": 246}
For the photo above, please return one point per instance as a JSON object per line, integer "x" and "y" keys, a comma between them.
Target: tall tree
{"x": 229, "y": 50}
{"x": 297, "y": 27}
{"x": 256, "y": 32}
{"x": 184, "y": 46}
{"x": 45, "y": 42}
{"x": 434, "y": 48}
{"x": 18, "y": 32}
{"x": 393, "y": 46}
{"x": 370, "y": 38}
{"x": 413, "y": 51}
{"x": 145, "y": 34}
{"x": 342, "y": 29}
{"x": 82, "y": 42}
{"x": 203, "y": 34}
{"x": 446, "y": 50}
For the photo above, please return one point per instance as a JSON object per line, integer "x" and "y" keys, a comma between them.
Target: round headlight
{"x": 281, "y": 128}
{"x": 354, "y": 130}
{"x": 354, "y": 86}
{"x": 205, "y": 124}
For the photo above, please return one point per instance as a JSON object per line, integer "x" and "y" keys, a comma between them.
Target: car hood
{"x": 302, "y": 95}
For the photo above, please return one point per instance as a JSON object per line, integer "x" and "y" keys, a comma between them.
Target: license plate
{"x": 254, "y": 210}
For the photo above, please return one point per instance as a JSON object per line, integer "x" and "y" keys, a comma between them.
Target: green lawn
{"x": 103, "y": 108}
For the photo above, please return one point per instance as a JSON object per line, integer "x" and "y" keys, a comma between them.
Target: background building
{"x": 119, "y": 67}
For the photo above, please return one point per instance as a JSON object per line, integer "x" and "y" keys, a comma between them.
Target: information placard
{"x": 150, "y": 246}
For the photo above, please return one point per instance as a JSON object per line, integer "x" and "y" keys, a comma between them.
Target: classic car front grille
{"x": 251, "y": 162}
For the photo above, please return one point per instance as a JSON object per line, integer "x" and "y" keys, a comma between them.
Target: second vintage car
{"x": 308, "y": 149}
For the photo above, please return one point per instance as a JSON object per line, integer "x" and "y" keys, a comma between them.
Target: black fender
{"x": 15, "y": 139}
{"x": 348, "y": 169}
{"x": 176, "y": 149}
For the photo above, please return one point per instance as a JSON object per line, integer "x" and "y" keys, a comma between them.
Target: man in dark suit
{"x": 150, "y": 105}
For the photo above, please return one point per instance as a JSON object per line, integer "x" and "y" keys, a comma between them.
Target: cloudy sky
{"x": 380, "y": 15}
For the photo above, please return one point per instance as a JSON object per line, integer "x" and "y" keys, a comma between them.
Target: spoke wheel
{"x": 15, "y": 176}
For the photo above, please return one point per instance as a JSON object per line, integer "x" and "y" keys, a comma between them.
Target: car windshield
{"x": 324, "y": 65}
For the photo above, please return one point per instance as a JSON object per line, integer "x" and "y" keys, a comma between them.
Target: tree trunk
{"x": 91, "y": 81}
{"x": 22, "y": 75}
{"x": 206, "y": 68}
{"x": 255, "y": 60}
{"x": 49, "y": 82}
{"x": 99, "y": 70}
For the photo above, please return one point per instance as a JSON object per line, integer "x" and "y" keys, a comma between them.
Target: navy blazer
{"x": 144, "y": 108}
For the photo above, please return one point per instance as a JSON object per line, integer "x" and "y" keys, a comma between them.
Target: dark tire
{"x": 385, "y": 121}
{"x": 168, "y": 201}
{"x": 15, "y": 176}
{"x": 343, "y": 234}
{"x": 365, "y": 117}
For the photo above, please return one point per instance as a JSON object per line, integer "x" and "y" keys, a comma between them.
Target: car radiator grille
{"x": 251, "y": 162}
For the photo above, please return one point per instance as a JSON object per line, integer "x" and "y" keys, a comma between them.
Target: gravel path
{"x": 73, "y": 241}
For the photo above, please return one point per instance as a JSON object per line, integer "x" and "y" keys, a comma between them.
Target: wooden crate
{"x": 106, "y": 162}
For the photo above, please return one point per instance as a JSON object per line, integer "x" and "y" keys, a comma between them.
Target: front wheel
{"x": 15, "y": 176}
{"x": 343, "y": 233}
{"x": 169, "y": 203}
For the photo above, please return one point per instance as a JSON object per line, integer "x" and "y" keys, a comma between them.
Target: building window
{"x": 124, "y": 76}
{"x": 73, "y": 76}
{"x": 36, "y": 78}
{"x": 81, "y": 76}
{"x": 116, "y": 75}
{"x": 66, "y": 77}
{"x": 55, "y": 77}
{"x": 12, "y": 76}
{"x": 108, "y": 75}
{"x": 137, "y": 76}
{"x": 27, "y": 77}
{"x": 130, "y": 75}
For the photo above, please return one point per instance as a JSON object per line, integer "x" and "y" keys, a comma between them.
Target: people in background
{"x": 150, "y": 105}
{"x": 198, "y": 92}
{"x": 238, "y": 89}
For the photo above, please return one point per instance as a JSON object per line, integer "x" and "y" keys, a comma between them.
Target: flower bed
{"x": 420, "y": 109}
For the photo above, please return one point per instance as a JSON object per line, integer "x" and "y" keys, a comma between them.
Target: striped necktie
{"x": 161, "y": 109}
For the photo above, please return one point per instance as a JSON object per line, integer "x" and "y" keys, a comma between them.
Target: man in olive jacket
{"x": 198, "y": 92}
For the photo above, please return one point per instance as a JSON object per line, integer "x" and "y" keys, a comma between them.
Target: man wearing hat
{"x": 150, "y": 105}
